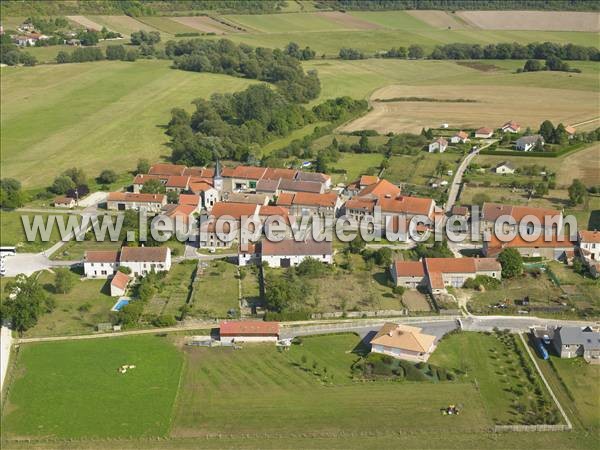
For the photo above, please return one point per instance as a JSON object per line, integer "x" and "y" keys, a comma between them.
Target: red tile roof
{"x": 296, "y": 248}
{"x": 383, "y": 188}
{"x": 246, "y": 172}
{"x": 189, "y": 199}
{"x": 328, "y": 200}
{"x": 367, "y": 180}
{"x": 491, "y": 212}
{"x": 142, "y": 178}
{"x": 200, "y": 186}
{"x": 167, "y": 169}
{"x": 276, "y": 174}
{"x": 409, "y": 268}
{"x": 589, "y": 236}
{"x": 101, "y": 256}
{"x": 462, "y": 135}
{"x": 408, "y": 205}
{"x": 249, "y": 328}
{"x": 132, "y": 197}
{"x": 120, "y": 280}
{"x": 484, "y": 130}
{"x": 144, "y": 254}
{"x": 178, "y": 181}
{"x": 512, "y": 124}
{"x": 235, "y": 210}
{"x": 285, "y": 199}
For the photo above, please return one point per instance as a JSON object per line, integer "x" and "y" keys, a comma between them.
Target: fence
{"x": 360, "y": 314}
{"x": 530, "y": 428}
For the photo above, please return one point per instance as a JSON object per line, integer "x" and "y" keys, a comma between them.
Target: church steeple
{"x": 217, "y": 178}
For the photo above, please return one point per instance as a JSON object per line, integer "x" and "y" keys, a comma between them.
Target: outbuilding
{"x": 248, "y": 331}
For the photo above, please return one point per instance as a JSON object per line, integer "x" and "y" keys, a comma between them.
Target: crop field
{"x": 87, "y": 23}
{"x": 166, "y": 24}
{"x": 440, "y": 19}
{"x": 101, "y": 115}
{"x": 122, "y": 24}
{"x": 204, "y": 24}
{"x": 490, "y": 107}
{"x": 59, "y": 389}
{"x": 532, "y": 20}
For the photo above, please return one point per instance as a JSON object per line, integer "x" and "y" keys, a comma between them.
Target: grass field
{"x": 273, "y": 395}
{"x": 72, "y": 389}
{"x": 355, "y": 164}
{"x": 93, "y": 115}
{"x": 76, "y": 312}
{"x": 167, "y": 25}
{"x": 216, "y": 290}
{"x": 12, "y": 232}
{"x": 494, "y": 367}
{"x": 419, "y": 169}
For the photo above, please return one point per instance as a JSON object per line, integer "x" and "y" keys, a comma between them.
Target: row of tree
{"x": 86, "y": 54}
{"x": 223, "y": 56}
{"x": 552, "y": 63}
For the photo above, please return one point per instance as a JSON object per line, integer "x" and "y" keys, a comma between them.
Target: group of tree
{"x": 553, "y": 135}
{"x": 413, "y": 52}
{"x": 553, "y": 63}
{"x": 27, "y": 301}
{"x": 512, "y": 263}
{"x": 514, "y": 50}
{"x": 11, "y": 195}
{"x": 86, "y": 54}
{"x": 145, "y": 37}
{"x": 223, "y": 56}
{"x": 453, "y": 5}
{"x": 12, "y": 55}
{"x": 294, "y": 50}
{"x": 72, "y": 182}
{"x": 351, "y": 53}
{"x": 577, "y": 192}
{"x": 286, "y": 292}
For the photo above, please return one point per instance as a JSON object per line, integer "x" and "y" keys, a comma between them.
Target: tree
{"x": 560, "y": 135}
{"x": 415, "y": 52}
{"x": 27, "y": 59}
{"x": 512, "y": 263}
{"x": 145, "y": 37}
{"x": 107, "y": 176}
{"x": 577, "y": 192}
{"x": 62, "y": 184}
{"x": 63, "y": 57}
{"x": 131, "y": 55}
{"x": 153, "y": 186}
{"x": 541, "y": 189}
{"x": 480, "y": 198}
{"x": 383, "y": 257}
{"x": 26, "y": 303}
{"x": 310, "y": 267}
{"x": 115, "y": 52}
{"x": 547, "y": 130}
{"x": 63, "y": 281}
{"x": 172, "y": 197}
{"x": 143, "y": 166}
{"x": 532, "y": 65}
{"x": 77, "y": 175}
{"x": 363, "y": 144}
{"x": 11, "y": 195}
{"x": 321, "y": 163}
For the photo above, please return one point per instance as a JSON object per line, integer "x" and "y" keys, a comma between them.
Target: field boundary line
{"x": 537, "y": 367}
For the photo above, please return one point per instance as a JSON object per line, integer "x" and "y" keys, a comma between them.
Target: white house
{"x": 100, "y": 263}
{"x": 504, "y": 168}
{"x": 527, "y": 143}
{"x": 143, "y": 260}
{"x": 118, "y": 284}
{"x": 484, "y": 133}
{"x": 460, "y": 137}
{"x": 511, "y": 127}
{"x": 589, "y": 250}
{"x": 440, "y": 145}
{"x": 140, "y": 260}
{"x": 210, "y": 195}
{"x": 64, "y": 202}
{"x": 403, "y": 342}
{"x": 289, "y": 253}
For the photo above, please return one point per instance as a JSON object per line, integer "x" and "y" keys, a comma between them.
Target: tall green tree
{"x": 577, "y": 192}
{"x": 512, "y": 263}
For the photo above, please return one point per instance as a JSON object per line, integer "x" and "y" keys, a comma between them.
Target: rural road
{"x": 6, "y": 343}
{"x": 457, "y": 181}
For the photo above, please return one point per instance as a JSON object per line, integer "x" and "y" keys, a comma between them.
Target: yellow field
{"x": 493, "y": 107}
{"x": 533, "y": 20}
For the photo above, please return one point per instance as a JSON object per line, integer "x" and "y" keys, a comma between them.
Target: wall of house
{"x": 294, "y": 260}
{"x": 399, "y": 353}
{"x": 99, "y": 270}
{"x": 248, "y": 338}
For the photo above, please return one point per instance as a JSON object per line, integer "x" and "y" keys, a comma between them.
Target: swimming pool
{"x": 120, "y": 303}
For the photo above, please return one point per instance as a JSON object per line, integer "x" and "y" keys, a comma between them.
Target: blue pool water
{"x": 119, "y": 305}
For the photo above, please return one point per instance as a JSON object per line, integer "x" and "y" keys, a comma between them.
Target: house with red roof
{"x": 460, "y": 137}
{"x": 233, "y": 331}
{"x": 118, "y": 284}
{"x": 557, "y": 247}
{"x": 511, "y": 127}
{"x": 484, "y": 133}
{"x": 121, "y": 201}
{"x": 589, "y": 250}
{"x": 139, "y": 260}
{"x": 436, "y": 274}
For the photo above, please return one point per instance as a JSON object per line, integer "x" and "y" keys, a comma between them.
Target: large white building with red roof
{"x": 139, "y": 260}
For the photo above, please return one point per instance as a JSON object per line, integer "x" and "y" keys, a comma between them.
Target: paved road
{"x": 457, "y": 181}
{"x": 6, "y": 344}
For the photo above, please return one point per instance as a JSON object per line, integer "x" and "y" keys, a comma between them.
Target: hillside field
{"x": 93, "y": 115}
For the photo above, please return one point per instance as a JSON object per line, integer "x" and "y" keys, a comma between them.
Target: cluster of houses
{"x": 524, "y": 143}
